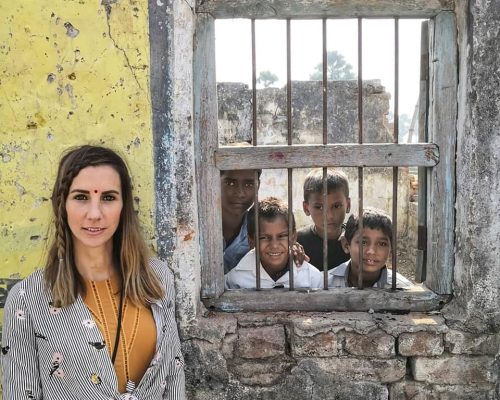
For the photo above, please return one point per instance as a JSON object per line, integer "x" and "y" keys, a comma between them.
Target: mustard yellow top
{"x": 138, "y": 334}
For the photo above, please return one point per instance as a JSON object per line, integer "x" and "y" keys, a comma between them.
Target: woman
{"x": 98, "y": 322}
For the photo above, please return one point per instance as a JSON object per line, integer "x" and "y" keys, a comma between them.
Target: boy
{"x": 238, "y": 190}
{"x": 237, "y": 195}
{"x": 274, "y": 252}
{"x": 377, "y": 240}
{"x": 338, "y": 204}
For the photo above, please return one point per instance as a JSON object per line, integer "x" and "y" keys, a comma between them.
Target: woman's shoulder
{"x": 33, "y": 281}
{"x": 32, "y": 286}
{"x": 161, "y": 269}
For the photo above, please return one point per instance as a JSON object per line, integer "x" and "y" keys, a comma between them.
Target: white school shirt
{"x": 243, "y": 276}
{"x": 337, "y": 278}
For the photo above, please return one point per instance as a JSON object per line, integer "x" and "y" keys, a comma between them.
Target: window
{"x": 440, "y": 119}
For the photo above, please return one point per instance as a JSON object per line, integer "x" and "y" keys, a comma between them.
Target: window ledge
{"x": 416, "y": 299}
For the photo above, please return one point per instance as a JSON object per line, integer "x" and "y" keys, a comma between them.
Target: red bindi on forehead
{"x": 95, "y": 191}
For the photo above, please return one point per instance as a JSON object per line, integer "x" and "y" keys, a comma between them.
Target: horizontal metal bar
{"x": 331, "y": 155}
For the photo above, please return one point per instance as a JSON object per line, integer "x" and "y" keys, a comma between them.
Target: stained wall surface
{"x": 71, "y": 72}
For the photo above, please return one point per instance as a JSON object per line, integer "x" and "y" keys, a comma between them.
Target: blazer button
{"x": 95, "y": 379}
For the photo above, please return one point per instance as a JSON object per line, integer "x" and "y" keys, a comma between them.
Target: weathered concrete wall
{"x": 171, "y": 33}
{"x": 70, "y": 73}
{"x": 477, "y": 265}
{"x": 235, "y": 113}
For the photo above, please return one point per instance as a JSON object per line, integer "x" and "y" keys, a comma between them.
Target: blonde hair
{"x": 140, "y": 284}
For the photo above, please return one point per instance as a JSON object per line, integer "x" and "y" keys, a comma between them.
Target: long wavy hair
{"x": 139, "y": 282}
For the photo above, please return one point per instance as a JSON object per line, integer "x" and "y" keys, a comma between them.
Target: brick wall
{"x": 338, "y": 356}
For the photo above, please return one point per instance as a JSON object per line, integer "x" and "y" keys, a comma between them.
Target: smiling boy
{"x": 376, "y": 239}
{"x": 274, "y": 252}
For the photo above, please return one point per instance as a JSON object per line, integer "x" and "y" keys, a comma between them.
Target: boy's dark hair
{"x": 269, "y": 209}
{"x": 222, "y": 172}
{"x": 335, "y": 180}
{"x": 372, "y": 218}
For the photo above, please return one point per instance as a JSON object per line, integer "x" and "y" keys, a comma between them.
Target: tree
{"x": 404, "y": 125}
{"x": 337, "y": 68}
{"x": 267, "y": 78}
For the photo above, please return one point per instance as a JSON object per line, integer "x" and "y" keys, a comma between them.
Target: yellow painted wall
{"x": 70, "y": 73}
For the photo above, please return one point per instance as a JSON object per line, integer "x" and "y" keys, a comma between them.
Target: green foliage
{"x": 267, "y": 78}
{"x": 337, "y": 68}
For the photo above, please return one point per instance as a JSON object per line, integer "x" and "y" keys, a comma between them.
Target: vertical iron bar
{"x": 254, "y": 86}
{"x": 254, "y": 142}
{"x": 325, "y": 233}
{"x": 360, "y": 141}
{"x": 325, "y": 85}
{"x": 291, "y": 240}
{"x": 289, "y": 142}
{"x": 288, "y": 83}
{"x": 325, "y": 171}
{"x": 395, "y": 169}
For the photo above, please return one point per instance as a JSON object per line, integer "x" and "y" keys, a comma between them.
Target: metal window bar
{"x": 420, "y": 267}
{"x": 325, "y": 141}
{"x": 360, "y": 141}
{"x": 395, "y": 169}
{"x": 289, "y": 142}
{"x": 256, "y": 175}
{"x": 325, "y": 171}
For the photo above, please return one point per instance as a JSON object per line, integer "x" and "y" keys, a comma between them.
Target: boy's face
{"x": 237, "y": 191}
{"x": 376, "y": 249}
{"x": 337, "y": 205}
{"x": 273, "y": 242}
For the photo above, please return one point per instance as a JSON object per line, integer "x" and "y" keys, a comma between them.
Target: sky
{"x": 234, "y": 55}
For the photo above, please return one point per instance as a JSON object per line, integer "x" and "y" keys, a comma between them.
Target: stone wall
{"x": 235, "y": 113}
{"x": 341, "y": 356}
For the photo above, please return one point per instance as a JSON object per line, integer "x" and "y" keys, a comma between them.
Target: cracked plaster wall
{"x": 71, "y": 72}
{"x": 477, "y": 266}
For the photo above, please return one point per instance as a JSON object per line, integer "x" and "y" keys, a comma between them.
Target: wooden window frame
{"x": 438, "y": 154}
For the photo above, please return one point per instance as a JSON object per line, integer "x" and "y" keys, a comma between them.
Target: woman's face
{"x": 94, "y": 206}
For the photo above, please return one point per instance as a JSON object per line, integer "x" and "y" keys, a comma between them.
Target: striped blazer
{"x": 47, "y": 352}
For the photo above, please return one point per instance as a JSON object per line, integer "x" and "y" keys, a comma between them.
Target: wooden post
{"x": 206, "y": 141}
{"x": 423, "y": 101}
{"x": 443, "y": 132}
